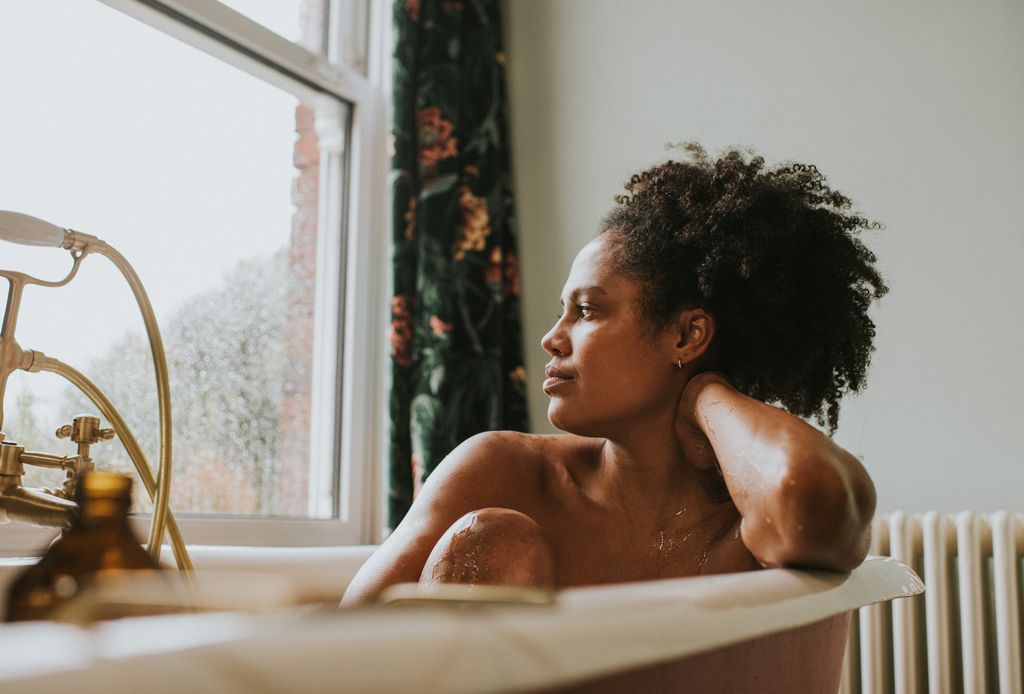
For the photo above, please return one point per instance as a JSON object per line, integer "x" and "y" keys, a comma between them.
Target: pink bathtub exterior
{"x": 808, "y": 658}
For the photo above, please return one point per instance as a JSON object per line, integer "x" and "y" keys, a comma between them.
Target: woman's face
{"x": 607, "y": 370}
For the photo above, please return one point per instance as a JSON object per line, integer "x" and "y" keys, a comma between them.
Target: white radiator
{"x": 964, "y": 634}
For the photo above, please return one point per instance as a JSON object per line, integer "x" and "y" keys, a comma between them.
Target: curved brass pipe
{"x": 163, "y": 389}
{"x": 11, "y": 354}
{"x": 112, "y": 415}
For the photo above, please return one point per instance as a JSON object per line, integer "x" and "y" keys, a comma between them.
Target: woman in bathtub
{"x": 714, "y": 287}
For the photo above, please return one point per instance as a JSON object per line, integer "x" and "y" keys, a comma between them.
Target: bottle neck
{"x": 103, "y": 511}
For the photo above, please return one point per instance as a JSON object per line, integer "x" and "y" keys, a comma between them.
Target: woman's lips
{"x": 555, "y": 379}
{"x": 551, "y": 384}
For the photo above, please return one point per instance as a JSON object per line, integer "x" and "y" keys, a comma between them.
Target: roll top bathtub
{"x": 762, "y": 631}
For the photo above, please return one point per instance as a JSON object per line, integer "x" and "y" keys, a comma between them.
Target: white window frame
{"x": 347, "y": 437}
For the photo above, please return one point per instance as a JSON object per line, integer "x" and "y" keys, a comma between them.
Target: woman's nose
{"x": 556, "y": 342}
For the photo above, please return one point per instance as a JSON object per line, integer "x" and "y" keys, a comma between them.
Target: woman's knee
{"x": 494, "y": 546}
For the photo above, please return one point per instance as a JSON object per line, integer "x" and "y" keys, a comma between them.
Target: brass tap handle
{"x": 85, "y": 429}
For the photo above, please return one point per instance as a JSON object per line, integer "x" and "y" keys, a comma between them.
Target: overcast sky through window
{"x": 180, "y": 161}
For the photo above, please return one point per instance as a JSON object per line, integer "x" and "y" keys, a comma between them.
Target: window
{"x": 234, "y": 154}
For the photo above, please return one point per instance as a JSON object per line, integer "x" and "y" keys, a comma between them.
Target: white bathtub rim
{"x": 492, "y": 648}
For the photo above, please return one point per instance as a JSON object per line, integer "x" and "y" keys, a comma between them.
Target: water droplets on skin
{"x": 665, "y": 549}
{"x": 704, "y": 559}
{"x": 672, "y": 540}
{"x": 465, "y": 568}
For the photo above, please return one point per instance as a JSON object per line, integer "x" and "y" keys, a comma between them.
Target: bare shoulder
{"x": 486, "y": 470}
{"x": 511, "y": 461}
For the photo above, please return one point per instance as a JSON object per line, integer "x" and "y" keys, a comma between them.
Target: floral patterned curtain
{"x": 456, "y": 347}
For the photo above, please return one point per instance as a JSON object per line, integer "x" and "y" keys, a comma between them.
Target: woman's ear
{"x": 695, "y": 329}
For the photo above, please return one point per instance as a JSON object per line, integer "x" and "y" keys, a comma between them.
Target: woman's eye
{"x": 581, "y": 310}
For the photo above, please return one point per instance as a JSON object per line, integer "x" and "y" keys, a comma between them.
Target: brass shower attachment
{"x": 53, "y": 507}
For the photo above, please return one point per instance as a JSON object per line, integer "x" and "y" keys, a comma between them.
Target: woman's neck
{"x": 645, "y": 474}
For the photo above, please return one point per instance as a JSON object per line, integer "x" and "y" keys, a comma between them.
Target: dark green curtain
{"x": 456, "y": 344}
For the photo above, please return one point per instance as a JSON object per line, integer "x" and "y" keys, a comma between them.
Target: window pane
{"x": 206, "y": 179}
{"x": 301, "y": 21}
{"x": 308, "y": 23}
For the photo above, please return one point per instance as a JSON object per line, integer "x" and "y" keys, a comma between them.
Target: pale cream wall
{"x": 915, "y": 110}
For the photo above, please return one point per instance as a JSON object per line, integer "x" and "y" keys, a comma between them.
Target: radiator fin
{"x": 964, "y": 634}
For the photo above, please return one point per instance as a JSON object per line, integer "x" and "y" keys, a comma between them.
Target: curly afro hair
{"x": 772, "y": 255}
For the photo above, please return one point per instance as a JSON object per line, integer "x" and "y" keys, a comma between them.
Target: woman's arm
{"x": 804, "y": 501}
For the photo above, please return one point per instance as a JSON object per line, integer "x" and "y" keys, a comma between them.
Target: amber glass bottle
{"x": 100, "y": 542}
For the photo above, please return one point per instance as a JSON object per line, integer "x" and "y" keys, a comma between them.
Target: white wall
{"x": 915, "y": 110}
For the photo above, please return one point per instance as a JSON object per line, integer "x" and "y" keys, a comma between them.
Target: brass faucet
{"x": 50, "y": 508}
{"x": 33, "y": 506}
{"x": 53, "y": 507}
